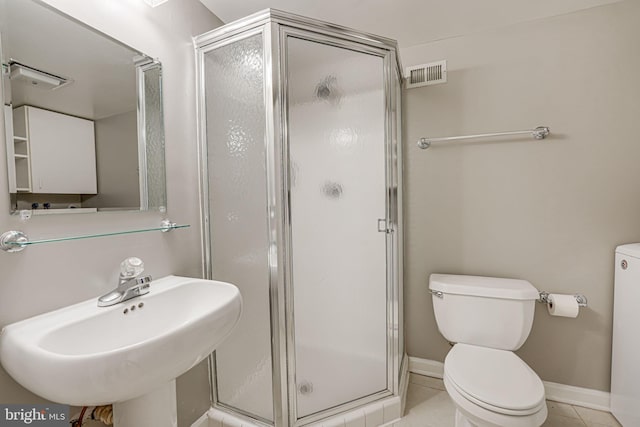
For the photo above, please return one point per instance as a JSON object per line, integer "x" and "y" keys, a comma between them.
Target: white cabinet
{"x": 57, "y": 155}
{"x": 625, "y": 369}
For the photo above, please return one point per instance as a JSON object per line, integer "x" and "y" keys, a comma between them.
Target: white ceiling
{"x": 102, "y": 70}
{"x": 411, "y": 22}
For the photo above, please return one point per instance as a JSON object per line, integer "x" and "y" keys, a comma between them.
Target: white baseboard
{"x": 429, "y": 368}
{"x": 589, "y": 398}
{"x": 586, "y": 397}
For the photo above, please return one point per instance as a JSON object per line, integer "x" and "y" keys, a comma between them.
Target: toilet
{"x": 488, "y": 319}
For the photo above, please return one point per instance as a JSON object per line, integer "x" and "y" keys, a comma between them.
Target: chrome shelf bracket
{"x": 13, "y": 241}
{"x": 167, "y": 225}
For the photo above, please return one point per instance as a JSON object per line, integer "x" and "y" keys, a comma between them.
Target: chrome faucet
{"x": 130, "y": 283}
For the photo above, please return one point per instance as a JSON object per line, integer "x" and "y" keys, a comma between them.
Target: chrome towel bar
{"x": 541, "y": 132}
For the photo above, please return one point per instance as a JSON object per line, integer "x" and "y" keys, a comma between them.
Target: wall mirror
{"x": 83, "y": 116}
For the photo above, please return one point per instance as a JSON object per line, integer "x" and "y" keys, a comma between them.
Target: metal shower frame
{"x": 275, "y": 27}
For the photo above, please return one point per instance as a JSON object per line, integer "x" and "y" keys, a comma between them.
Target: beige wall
{"x": 50, "y": 276}
{"x": 551, "y": 212}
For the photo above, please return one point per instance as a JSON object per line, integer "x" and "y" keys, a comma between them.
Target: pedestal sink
{"x": 128, "y": 354}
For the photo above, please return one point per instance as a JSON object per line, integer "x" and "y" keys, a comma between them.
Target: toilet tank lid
{"x": 632, "y": 250}
{"x": 488, "y": 287}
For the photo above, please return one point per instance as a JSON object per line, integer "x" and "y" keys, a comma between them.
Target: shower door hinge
{"x": 382, "y": 226}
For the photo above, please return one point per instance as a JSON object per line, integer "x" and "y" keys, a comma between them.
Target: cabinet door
{"x": 63, "y": 153}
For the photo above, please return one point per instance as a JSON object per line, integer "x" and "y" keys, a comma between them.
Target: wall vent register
{"x": 426, "y": 74}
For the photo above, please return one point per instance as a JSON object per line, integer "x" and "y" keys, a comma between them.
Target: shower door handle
{"x": 382, "y": 226}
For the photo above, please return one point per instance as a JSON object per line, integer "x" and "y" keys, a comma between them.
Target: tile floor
{"x": 429, "y": 405}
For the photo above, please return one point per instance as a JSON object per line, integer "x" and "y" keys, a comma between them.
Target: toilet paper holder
{"x": 581, "y": 299}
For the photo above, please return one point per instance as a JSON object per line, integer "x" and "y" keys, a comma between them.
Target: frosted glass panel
{"x": 337, "y": 160}
{"x": 235, "y": 119}
{"x": 154, "y": 133}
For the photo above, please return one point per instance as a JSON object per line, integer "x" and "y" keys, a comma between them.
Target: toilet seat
{"x": 481, "y": 417}
{"x": 496, "y": 380}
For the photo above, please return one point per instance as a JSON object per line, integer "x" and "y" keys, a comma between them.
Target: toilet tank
{"x": 484, "y": 311}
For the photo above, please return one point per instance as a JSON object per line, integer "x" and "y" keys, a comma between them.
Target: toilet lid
{"x": 495, "y": 379}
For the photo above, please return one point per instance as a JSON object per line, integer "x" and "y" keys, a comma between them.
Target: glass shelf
{"x": 15, "y": 241}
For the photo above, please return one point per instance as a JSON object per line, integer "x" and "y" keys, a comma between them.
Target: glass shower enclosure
{"x": 301, "y": 198}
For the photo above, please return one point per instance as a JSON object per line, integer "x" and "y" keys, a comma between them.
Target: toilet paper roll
{"x": 563, "y": 305}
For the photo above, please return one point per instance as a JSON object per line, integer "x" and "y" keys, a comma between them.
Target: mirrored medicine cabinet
{"x": 83, "y": 116}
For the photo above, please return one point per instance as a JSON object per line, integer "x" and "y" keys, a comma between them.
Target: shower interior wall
{"x": 299, "y": 117}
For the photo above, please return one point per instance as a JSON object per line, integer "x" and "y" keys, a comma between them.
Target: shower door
{"x": 336, "y": 139}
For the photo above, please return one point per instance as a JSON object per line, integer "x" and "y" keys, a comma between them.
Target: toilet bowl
{"x": 488, "y": 318}
{"x": 494, "y": 388}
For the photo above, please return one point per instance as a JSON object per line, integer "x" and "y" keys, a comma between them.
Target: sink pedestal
{"x": 155, "y": 409}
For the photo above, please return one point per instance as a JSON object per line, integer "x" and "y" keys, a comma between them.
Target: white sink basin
{"x": 89, "y": 355}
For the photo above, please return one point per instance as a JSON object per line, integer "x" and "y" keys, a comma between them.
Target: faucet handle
{"x": 131, "y": 267}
